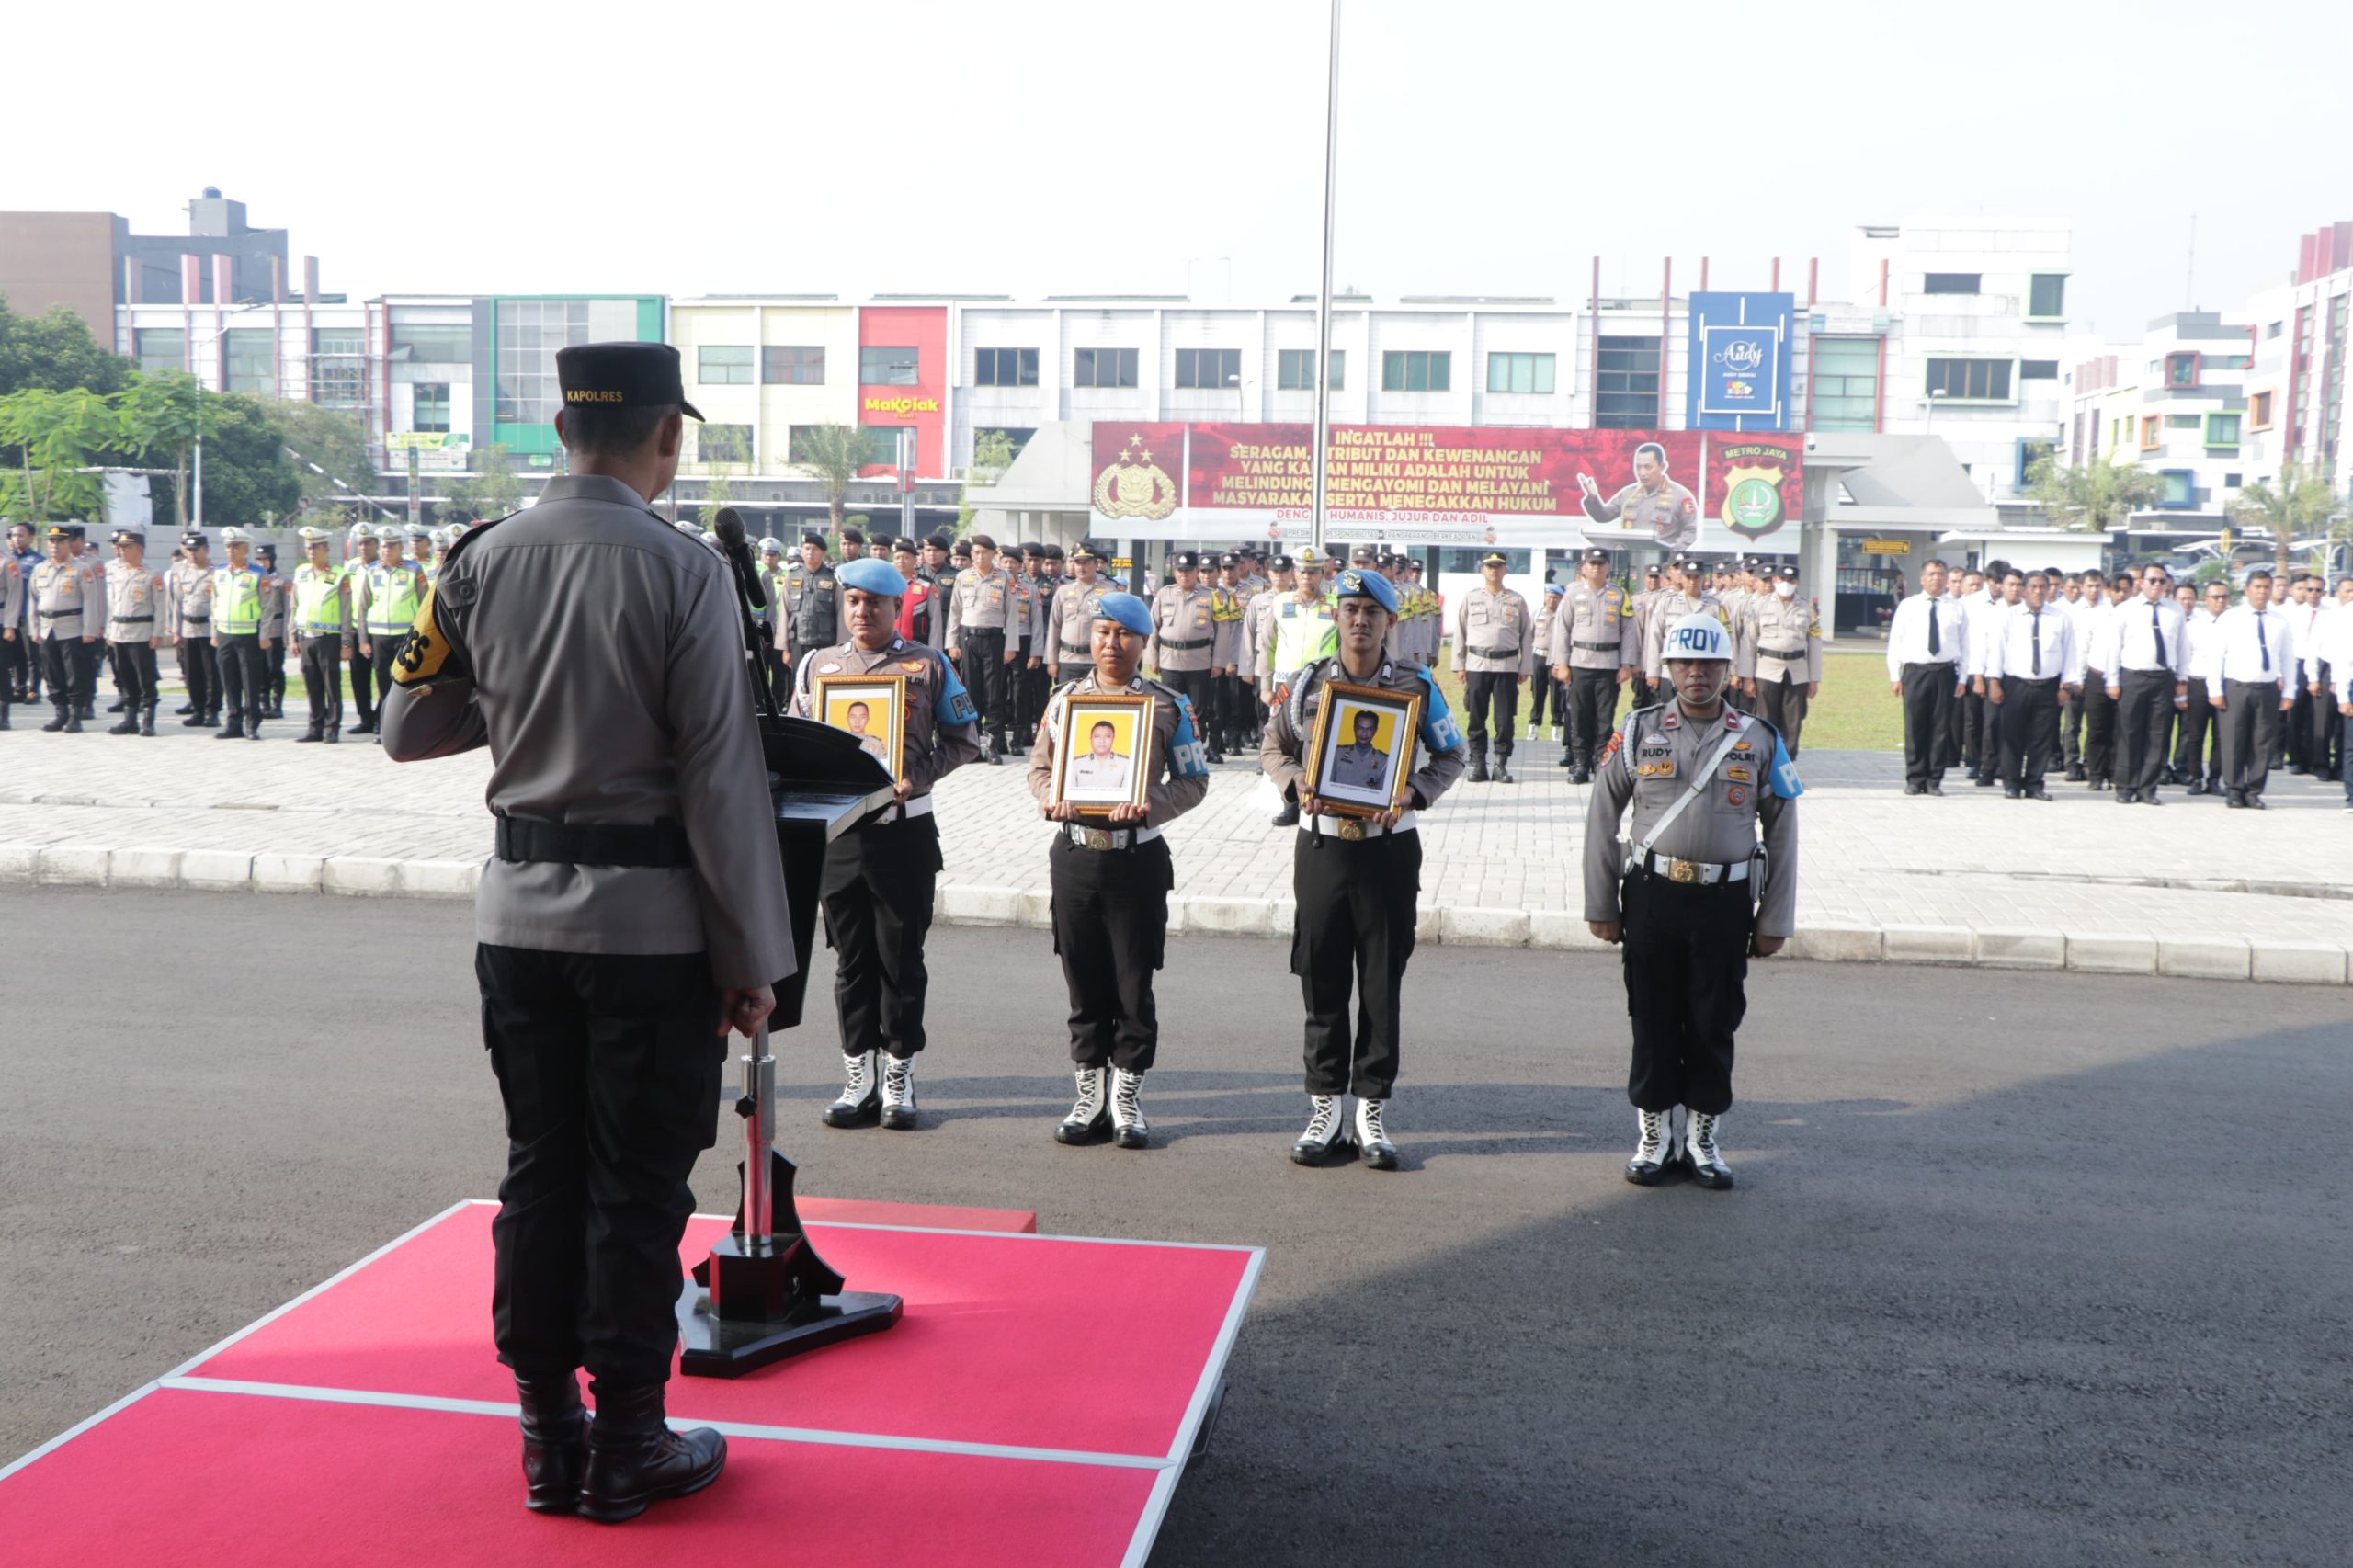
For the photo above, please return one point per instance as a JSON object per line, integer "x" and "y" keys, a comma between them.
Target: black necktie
{"x": 2157, "y": 631}
{"x": 1935, "y": 642}
{"x": 2263, "y": 643}
{"x": 2035, "y": 617}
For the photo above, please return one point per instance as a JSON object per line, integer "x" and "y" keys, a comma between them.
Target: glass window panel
{"x": 161, "y": 349}
{"x": 725, "y": 365}
{"x": 794, "y": 366}
{"x": 887, "y": 366}
{"x": 2047, "y": 294}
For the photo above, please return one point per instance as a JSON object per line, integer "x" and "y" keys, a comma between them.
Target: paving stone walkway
{"x": 2188, "y": 888}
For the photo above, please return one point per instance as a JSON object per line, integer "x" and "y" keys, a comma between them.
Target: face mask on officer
{"x": 1786, "y": 590}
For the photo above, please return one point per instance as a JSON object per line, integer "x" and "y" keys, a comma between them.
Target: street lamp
{"x": 214, "y": 337}
{"x": 1929, "y": 402}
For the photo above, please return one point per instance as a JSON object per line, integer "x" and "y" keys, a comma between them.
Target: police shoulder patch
{"x": 425, "y": 651}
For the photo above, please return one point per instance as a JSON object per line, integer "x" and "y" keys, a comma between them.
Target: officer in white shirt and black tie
{"x": 1927, "y": 666}
{"x": 2146, "y": 657}
{"x": 2248, "y": 679}
{"x": 2034, "y": 655}
{"x": 1986, "y": 612}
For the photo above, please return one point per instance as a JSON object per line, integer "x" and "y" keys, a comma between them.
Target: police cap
{"x": 1365, "y": 555}
{"x": 1229, "y": 559}
{"x": 1185, "y": 560}
{"x": 1086, "y": 552}
{"x": 1281, "y": 563}
{"x": 903, "y": 543}
{"x": 771, "y": 545}
{"x": 311, "y": 536}
{"x": 937, "y": 541}
{"x": 267, "y": 553}
{"x": 229, "y": 536}
{"x": 1312, "y": 559}
{"x": 982, "y": 541}
{"x": 1494, "y": 558}
{"x": 193, "y": 540}
{"x": 1787, "y": 572}
{"x": 1597, "y": 556}
{"x": 851, "y": 536}
{"x": 388, "y": 535}
{"x": 622, "y": 375}
{"x": 1358, "y": 584}
{"x": 1054, "y": 551}
{"x": 128, "y": 535}
{"x": 813, "y": 536}
{"x": 59, "y": 533}
{"x": 1128, "y": 610}
{"x": 872, "y": 577}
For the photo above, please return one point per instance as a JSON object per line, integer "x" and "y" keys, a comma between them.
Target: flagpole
{"x": 1323, "y": 370}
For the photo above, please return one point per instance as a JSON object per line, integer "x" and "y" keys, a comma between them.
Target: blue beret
{"x": 872, "y": 577}
{"x": 1355, "y": 584}
{"x": 1128, "y": 610}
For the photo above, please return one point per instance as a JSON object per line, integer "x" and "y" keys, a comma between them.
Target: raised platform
{"x": 1035, "y": 1405}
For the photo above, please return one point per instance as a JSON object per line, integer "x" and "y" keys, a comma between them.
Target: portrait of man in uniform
{"x": 868, "y": 741}
{"x": 868, "y": 709}
{"x": 1359, "y": 764}
{"x": 1652, "y": 501}
{"x": 1357, "y": 751}
{"x": 1099, "y": 770}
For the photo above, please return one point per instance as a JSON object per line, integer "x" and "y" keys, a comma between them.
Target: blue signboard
{"x": 1739, "y": 374}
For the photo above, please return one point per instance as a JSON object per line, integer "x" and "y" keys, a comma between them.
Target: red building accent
{"x": 923, "y": 405}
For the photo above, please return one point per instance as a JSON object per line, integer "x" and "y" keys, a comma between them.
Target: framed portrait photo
{"x": 1359, "y": 761}
{"x": 871, "y": 709}
{"x": 1103, "y": 759}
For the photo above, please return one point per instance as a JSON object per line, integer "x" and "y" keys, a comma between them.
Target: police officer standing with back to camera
{"x": 1690, "y": 895}
{"x": 134, "y": 602}
{"x": 1494, "y": 644}
{"x": 1354, "y": 880}
{"x": 634, "y": 911}
{"x": 1189, "y": 642}
{"x": 1781, "y": 653}
{"x": 1597, "y": 644}
{"x": 1112, "y": 882}
{"x": 880, "y": 876}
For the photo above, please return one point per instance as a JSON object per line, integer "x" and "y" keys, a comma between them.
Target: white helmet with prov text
{"x": 1697, "y": 636}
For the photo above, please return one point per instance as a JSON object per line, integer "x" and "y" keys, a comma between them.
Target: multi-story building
{"x": 92, "y": 263}
{"x": 2174, "y": 403}
{"x": 2295, "y": 389}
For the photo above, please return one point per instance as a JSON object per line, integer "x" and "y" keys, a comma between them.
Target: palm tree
{"x": 2296, "y": 506}
{"x": 2096, "y": 497}
{"x": 834, "y": 453}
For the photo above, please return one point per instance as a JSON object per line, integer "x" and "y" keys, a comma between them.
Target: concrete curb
{"x": 2271, "y": 961}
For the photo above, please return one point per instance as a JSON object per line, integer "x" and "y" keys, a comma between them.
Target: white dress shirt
{"x": 1985, "y": 615}
{"x": 2092, "y": 622}
{"x": 2332, "y": 645}
{"x": 2016, "y": 654}
{"x": 1907, "y": 636}
{"x": 2243, "y": 647}
{"x": 2131, "y": 645}
{"x": 2201, "y": 631}
{"x": 2304, "y": 626}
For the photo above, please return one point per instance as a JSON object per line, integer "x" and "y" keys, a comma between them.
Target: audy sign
{"x": 1739, "y": 378}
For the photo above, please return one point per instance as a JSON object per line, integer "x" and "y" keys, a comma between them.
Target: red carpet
{"x": 1080, "y": 1369}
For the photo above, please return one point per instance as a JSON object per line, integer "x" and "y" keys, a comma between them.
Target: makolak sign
{"x": 1739, "y": 377}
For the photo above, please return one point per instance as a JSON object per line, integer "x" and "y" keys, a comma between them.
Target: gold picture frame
{"x": 1095, "y": 776}
{"x": 849, "y": 703}
{"x": 1354, "y": 775}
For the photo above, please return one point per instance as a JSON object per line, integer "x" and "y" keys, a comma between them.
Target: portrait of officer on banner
{"x": 1652, "y": 501}
{"x": 1363, "y": 735}
{"x": 1097, "y": 770}
{"x": 869, "y": 710}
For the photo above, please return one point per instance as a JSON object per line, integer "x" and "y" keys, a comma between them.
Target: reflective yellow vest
{"x": 236, "y": 601}
{"x": 392, "y": 598}
{"x": 316, "y": 611}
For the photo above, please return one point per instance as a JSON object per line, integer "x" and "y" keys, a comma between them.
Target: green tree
{"x": 334, "y": 441}
{"x": 54, "y": 352}
{"x": 248, "y": 479}
{"x": 491, "y": 490}
{"x": 53, "y": 437}
{"x": 834, "y": 453}
{"x": 716, "y": 493}
{"x": 2096, "y": 497}
{"x": 2298, "y": 506}
{"x": 166, "y": 415}
{"x": 992, "y": 455}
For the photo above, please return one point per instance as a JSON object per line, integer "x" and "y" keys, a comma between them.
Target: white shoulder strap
{"x": 1699, "y": 782}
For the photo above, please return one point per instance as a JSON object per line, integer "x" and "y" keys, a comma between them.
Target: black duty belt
{"x": 1596, "y": 647}
{"x": 132, "y": 620}
{"x": 656, "y": 844}
{"x": 1188, "y": 647}
{"x": 1080, "y": 648}
{"x": 198, "y": 619}
{"x": 1783, "y": 653}
{"x": 1495, "y": 653}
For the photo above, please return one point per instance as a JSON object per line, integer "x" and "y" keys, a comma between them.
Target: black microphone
{"x": 728, "y": 526}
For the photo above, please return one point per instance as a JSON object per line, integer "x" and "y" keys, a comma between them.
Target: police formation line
{"x": 2127, "y": 682}
{"x": 231, "y": 625}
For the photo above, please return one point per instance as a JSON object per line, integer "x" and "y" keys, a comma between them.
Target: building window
{"x": 886, "y": 366}
{"x": 724, "y": 443}
{"x": 1521, "y": 373}
{"x": 2046, "y": 294}
{"x": 1417, "y": 370}
{"x": 161, "y": 349}
{"x": 1103, "y": 367}
{"x": 1985, "y": 380}
{"x": 1846, "y": 384}
{"x": 1207, "y": 368}
{"x": 1625, "y": 386}
{"x": 1951, "y": 283}
{"x": 1295, "y": 369}
{"x": 2183, "y": 421}
{"x": 728, "y": 365}
{"x": 799, "y": 366}
{"x": 431, "y": 414}
{"x": 2181, "y": 488}
{"x": 338, "y": 340}
{"x": 2259, "y": 409}
{"x": 248, "y": 359}
{"x": 2038, "y": 369}
{"x": 531, "y": 331}
{"x": 429, "y": 344}
{"x": 2230, "y": 361}
{"x": 2275, "y": 329}
{"x": 2032, "y": 453}
{"x": 338, "y": 368}
{"x": 882, "y": 444}
{"x": 1016, "y": 436}
{"x": 2233, "y": 481}
{"x": 1004, "y": 367}
{"x": 2181, "y": 370}
{"x": 2152, "y": 432}
{"x": 2222, "y": 430}
{"x": 796, "y": 447}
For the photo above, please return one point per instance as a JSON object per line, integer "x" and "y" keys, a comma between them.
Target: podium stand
{"x": 764, "y": 1294}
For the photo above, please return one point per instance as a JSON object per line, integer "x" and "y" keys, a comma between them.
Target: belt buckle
{"x": 1352, "y": 830}
{"x": 1684, "y": 871}
{"x": 1098, "y": 838}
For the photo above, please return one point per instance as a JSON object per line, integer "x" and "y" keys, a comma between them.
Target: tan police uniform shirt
{"x": 1071, "y": 620}
{"x": 1671, "y": 513}
{"x": 1186, "y": 632}
{"x": 1494, "y": 632}
{"x": 68, "y": 601}
{"x": 981, "y": 601}
{"x": 1784, "y": 638}
{"x": 1595, "y": 628}
{"x": 134, "y": 603}
{"x": 188, "y": 601}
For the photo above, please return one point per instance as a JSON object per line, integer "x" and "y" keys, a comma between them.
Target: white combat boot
{"x": 861, "y": 1102}
{"x": 1326, "y": 1134}
{"x": 1708, "y": 1167}
{"x": 1372, "y": 1142}
{"x": 1088, "y": 1119}
{"x": 1128, "y": 1129}
{"x": 1651, "y": 1152}
{"x": 898, "y": 1093}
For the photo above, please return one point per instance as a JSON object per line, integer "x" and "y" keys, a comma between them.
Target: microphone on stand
{"x": 728, "y": 526}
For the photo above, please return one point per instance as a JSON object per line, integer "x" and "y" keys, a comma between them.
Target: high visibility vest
{"x": 392, "y": 598}
{"x": 236, "y": 601}
{"x": 1303, "y": 634}
{"x": 316, "y": 611}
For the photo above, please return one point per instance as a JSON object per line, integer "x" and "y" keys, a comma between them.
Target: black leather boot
{"x": 147, "y": 720}
{"x": 634, "y": 1457}
{"x": 555, "y": 1444}
{"x": 1478, "y": 763}
{"x": 1502, "y": 774}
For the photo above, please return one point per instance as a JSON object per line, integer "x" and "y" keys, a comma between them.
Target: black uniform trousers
{"x": 988, "y": 679}
{"x": 242, "y": 678}
{"x": 2328, "y": 725}
{"x": 134, "y": 674}
{"x": 69, "y": 675}
{"x": 2071, "y": 730}
{"x": 1646, "y": 691}
{"x": 608, "y": 1067}
{"x": 1988, "y": 716}
{"x": 1198, "y": 688}
{"x": 1929, "y": 702}
{"x": 1685, "y": 949}
{"x": 2197, "y": 742}
{"x": 363, "y": 688}
{"x": 1782, "y": 704}
{"x": 200, "y": 662}
{"x": 2250, "y": 726}
{"x": 1960, "y": 731}
{"x": 93, "y": 656}
{"x": 2099, "y": 727}
{"x": 1491, "y": 689}
{"x": 322, "y": 681}
{"x": 1031, "y": 689}
{"x": 877, "y": 895}
{"x": 1110, "y": 912}
{"x": 385, "y": 648}
{"x": 2030, "y": 717}
{"x": 272, "y": 664}
{"x": 1544, "y": 696}
{"x": 1355, "y": 926}
{"x": 1593, "y": 710}
{"x": 2143, "y": 705}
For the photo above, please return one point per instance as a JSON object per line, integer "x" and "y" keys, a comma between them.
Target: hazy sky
{"x": 1486, "y": 146}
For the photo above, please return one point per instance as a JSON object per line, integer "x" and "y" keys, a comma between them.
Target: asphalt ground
{"x": 2022, "y": 1269}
